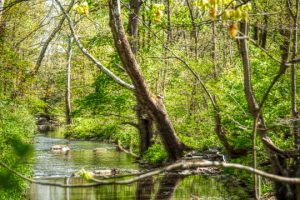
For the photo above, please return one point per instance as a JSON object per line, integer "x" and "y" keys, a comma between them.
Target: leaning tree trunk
{"x": 145, "y": 123}
{"x": 154, "y": 107}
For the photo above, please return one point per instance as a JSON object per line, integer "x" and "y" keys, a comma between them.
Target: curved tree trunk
{"x": 154, "y": 106}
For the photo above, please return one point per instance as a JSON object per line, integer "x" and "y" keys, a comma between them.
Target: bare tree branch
{"x": 91, "y": 57}
{"x": 178, "y": 165}
{"x": 49, "y": 39}
{"x": 121, "y": 148}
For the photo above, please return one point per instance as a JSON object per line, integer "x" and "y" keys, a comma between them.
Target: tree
{"x": 154, "y": 105}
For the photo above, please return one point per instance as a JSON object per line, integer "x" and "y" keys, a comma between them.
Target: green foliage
{"x": 155, "y": 154}
{"x": 16, "y": 134}
{"x": 107, "y": 96}
{"x": 90, "y": 128}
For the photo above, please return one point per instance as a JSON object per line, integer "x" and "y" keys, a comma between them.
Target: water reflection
{"x": 144, "y": 189}
{"x": 51, "y": 167}
{"x": 167, "y": 186}
{"x": 49, "y": 164}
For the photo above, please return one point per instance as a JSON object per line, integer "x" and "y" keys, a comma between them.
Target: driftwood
{"x": 178, "y": 165}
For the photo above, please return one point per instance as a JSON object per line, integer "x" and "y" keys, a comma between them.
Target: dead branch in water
{"x": 178, "y": 165}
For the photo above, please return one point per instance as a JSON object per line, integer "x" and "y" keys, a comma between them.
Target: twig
{"x": 125, "y": 150}
{"x": 91, "y": 57}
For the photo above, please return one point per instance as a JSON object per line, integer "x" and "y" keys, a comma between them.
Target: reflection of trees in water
{"x": 144, "y": 189}
{"x": 167, "y": 186}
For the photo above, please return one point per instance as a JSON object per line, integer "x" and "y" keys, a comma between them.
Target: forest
{"x": 149, "y": 99}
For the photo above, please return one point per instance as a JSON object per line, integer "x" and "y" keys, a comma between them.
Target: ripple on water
{"x": 50, "y": 164}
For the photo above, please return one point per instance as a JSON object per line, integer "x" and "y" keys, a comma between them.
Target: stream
{"x": 53, "y": 167}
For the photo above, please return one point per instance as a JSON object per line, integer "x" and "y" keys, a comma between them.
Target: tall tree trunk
{"x": 255, "y": 31}
{"x": 294, "y": 80}
{"x": 1, "y": 7}
{"x": 278, "y": 157}
{"x": 68, "y": 81}
{"x": 194, "y": 32}
{"x": 145, "y": 126}
{"x": 295, "y": 113}
{"x": 219, "y": 129}
{"x": 145, "y": 123}
{"x": 133, "y": 24}
{"x": 264, "y": 33}
{"x": 169, "y": 22}
{"x": 155, "y": 108}
{"x": 2, "y": 22}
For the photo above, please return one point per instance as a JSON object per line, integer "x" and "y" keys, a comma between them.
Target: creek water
{"x": 53, "y": 167}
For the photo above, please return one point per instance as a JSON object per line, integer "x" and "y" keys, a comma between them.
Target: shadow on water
{"x": 51, "y": 167}
{"x": 169, "y": 186}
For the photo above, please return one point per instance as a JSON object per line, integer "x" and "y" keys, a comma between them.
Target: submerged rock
{"x": 60, "y": 149}
{"x": 105, "y": 172}
{"x": 99, "y": 150}
{"x": 211, "y": 154}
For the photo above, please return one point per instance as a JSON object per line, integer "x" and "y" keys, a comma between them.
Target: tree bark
{"x": 294, "y": 80}
{"x": 279, "y": 161}
{"x": 145, "y": 123}
{"x": 68, "y": 81}
{"x": 2, "y": 22}
{"x": 264, "y": 33}
{"x": 155, "y": 108}
{"x": 194, "y": 32}
{"x": 133, "y": 24}
{"x": 169, "y": 37}
{"x": 1, "y": 7}
{"x": 295, "y": 113}
{"x": 145, "y": 126}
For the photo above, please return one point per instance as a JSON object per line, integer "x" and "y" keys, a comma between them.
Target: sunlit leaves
{"x": 228, "y": 11}
{"x": 84, "y": 174}
{"x": 157, "y": 12}
{"x": 82, "y": 8}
